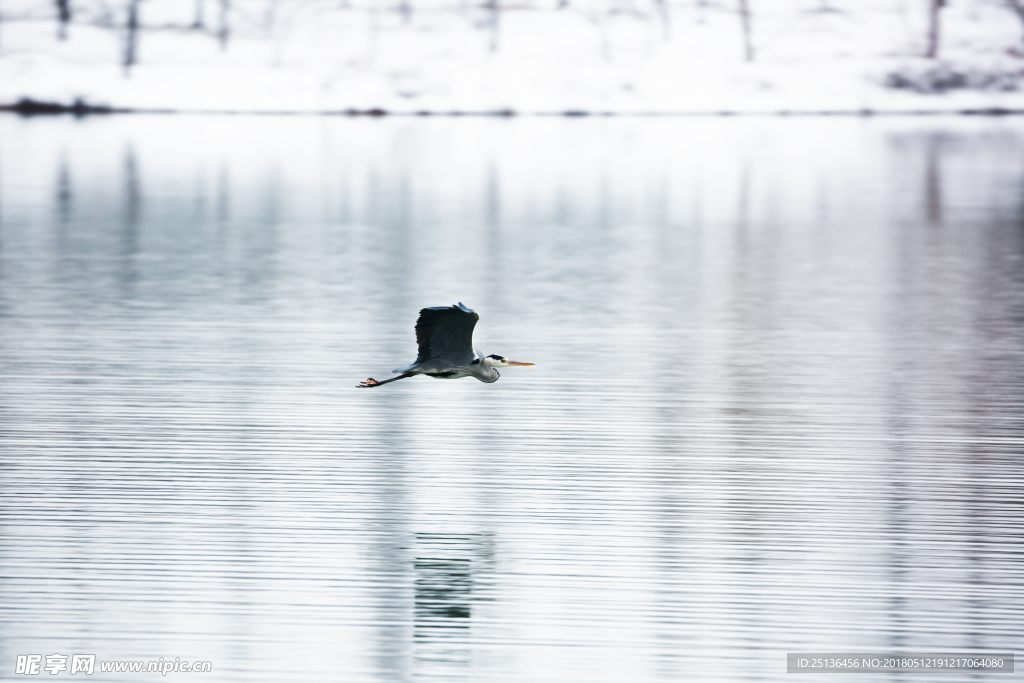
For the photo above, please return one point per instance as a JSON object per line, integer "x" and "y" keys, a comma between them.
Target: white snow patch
{"x": 530, "y": 56}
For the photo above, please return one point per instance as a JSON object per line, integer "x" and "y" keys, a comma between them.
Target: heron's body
{"x": 441, "y": 368}
{"x": 445, "y": 338}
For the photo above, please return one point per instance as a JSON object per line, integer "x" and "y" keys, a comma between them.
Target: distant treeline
{"x": 224, "y": 20}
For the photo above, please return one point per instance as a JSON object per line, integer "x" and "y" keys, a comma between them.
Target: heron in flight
{"x": 445, "y": 337}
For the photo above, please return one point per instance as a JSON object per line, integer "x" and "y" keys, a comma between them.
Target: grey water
{"x": 777, "y": 406}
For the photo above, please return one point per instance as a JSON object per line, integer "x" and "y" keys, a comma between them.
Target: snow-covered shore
{"x": 597, "y": 56}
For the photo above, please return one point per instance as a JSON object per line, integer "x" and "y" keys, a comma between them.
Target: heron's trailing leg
{"x": 374, "y": 383}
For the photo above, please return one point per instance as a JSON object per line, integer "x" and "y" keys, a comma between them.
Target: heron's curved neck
{"x": 487, "y": 371}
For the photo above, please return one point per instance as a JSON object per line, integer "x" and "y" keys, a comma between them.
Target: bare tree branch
{"x": 494, "y": 12}
{"x": 934, "y": 7}
{"x": 224, "y": 29}
{"x": 131, "y": 36}
{"x": 748, "y": 46}
{"x": 63, "y": 18}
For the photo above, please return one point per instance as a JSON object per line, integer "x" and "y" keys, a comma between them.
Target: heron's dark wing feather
{"x": 446, "y": 332}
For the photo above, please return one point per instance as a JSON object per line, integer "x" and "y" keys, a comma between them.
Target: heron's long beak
{"x": 515, "y": 362}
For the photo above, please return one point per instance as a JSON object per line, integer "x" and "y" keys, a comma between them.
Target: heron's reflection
{"x": 449, "y": 572}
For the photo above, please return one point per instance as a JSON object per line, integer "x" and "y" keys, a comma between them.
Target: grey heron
{"x": 445, "y": 338}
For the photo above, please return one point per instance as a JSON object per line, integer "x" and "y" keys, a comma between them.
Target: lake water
{"x": 778, "y": 400}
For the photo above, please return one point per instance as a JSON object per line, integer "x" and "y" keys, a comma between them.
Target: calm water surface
{"x": 778, "y": 402}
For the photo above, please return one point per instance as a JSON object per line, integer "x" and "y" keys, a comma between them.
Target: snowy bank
{"x": 523, "y": 56}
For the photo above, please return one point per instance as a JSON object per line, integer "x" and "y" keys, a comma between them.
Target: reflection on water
{"x": 777, "y": 403}
{"x": 450, "y": 577}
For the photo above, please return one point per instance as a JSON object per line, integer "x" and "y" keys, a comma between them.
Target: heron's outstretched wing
{"x": 446, "y": 332}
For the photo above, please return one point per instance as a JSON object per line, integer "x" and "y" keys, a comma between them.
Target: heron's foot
{"x": 371, "y": 382}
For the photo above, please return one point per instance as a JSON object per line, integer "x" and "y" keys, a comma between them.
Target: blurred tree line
{"x": 219, "y": 18}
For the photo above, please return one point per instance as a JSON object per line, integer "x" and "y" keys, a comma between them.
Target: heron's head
{"x": 496, "y": 361}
